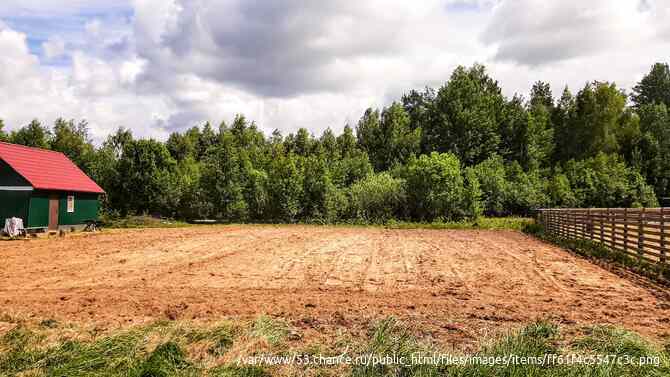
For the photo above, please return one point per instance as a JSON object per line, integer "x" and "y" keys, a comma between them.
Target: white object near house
{"x": 13, "y": 226}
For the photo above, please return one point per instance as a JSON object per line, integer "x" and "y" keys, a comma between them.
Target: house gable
{"x": 11, "y": 180}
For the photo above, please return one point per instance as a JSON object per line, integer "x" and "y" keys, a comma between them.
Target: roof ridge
{"x": 48, "y": 171}
{"x": 33, "y": 148}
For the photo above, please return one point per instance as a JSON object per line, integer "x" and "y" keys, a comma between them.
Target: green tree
{"x": 223, "y": 180}
{"x": 388, "y": 139}
{"x": 194, "y": 202}
{"x": 346, "y": 142}
{"x": 328, "y": 145}
{"x": 652, "y": 154}
{"x": 104, "y": 170}
{"x": 378, "y": 198}
{"x": 207, "y": 139}
{"x": 183, "y": 146}
{"x": 515, "y": 132}
{"x": 32, "y": 135}
{"x": 419, "y": 106}
{"x": 606, "y": 181}
{"x": 492, "y": 179}
{"x": 285, "y": 184}
{"x": 472, "y": 197}
{"x": 592, "y": 124}
{"x": 145, "y": 170}
{"x": 654, "y": 88}
{"x": 73, "y": 140}
{"x": 467, "y": 114}
{"x": 560, "y": 192}
{"x": 540, "y": 95}
{"x": 301, "y": 143}
{"x": 435, "y": 187}
{"x": 118, "y": 141}
{"x": 526, "y": 190}
{"x": 562, "y": 120}
{"x": 3, "y": 134}
{"x": 540, "y": 136}
{"x": 317, "y": 189}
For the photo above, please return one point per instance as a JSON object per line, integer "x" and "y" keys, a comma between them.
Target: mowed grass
{"x": 169, "y": 348}
{"x": 488, "y": 223}
{"x": 493, "y": 223}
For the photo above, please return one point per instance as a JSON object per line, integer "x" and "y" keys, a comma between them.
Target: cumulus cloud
{"x": 54, "y": 48}
{"x": 277, "y": 49}
{"x": 157, "y": 66}
{"x": 91, "y": 89}
{"x": 536, "y": 32}
{"x": 660, "y": 12}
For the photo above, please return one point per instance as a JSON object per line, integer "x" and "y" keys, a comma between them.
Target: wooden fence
{"x": 639, "y": 232}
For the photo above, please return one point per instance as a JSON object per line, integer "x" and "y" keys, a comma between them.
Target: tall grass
{"x": 534, "y": 340}
{"x": 174, "y": 349}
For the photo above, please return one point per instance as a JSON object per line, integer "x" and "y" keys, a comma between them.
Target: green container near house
{"x": 45, "y": 189}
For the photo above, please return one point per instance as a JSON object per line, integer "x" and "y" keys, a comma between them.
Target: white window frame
{"x": 70, "y": 204}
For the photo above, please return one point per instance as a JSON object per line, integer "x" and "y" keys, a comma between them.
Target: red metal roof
{"x": 47, "y": 170}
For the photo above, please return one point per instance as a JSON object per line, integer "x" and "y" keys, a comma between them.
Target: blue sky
{"x": 156, "y": 66}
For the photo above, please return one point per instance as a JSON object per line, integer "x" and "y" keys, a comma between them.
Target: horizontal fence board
{"x": 638, "y": 232}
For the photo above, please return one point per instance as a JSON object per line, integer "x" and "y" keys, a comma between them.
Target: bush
{"x": 377, "y": 198}
{"x": 493, "y": 184}
{"x": 606, "y": 181}
{"x": 508, "y": 189}
{"x": 526, "y": 190}
{"x": 559, "y": 191}
{"x": 435, "y": 187}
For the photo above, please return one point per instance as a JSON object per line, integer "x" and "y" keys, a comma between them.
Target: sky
{"x": 160, "y": 66}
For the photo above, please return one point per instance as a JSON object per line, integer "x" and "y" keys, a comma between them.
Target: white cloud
{"x": 537, "y": 32}
{"x": 91, "y": 89}
{"x": 173, "y": 64}
{"x": 54, "y": 48}
{"x": 55, "y": 8}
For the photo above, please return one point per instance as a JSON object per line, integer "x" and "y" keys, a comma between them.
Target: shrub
{"x": 435, "y": 187}
{"x": 606, "y": 181}
{"x": 507, "y": 188}
{"x": 493, "y": 184}
{"x": 559, "y": 191}
{"x": 526, "y": 190}
{"x": 377, "y": 198}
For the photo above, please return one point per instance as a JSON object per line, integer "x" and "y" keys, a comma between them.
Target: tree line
{"x": 450, "y": 153}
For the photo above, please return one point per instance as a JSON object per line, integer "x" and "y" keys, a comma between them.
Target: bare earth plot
{"x": 459, "y": 282}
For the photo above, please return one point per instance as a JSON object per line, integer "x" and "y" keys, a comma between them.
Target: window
{"x": 70, "y": 203}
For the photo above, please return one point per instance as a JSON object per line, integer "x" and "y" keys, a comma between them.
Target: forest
{"x": 437, "y": 154}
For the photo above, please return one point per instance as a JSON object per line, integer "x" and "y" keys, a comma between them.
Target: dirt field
{"x": 452, "y": 281}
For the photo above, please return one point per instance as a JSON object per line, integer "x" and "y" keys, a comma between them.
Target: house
{"x": 45, "y": 189}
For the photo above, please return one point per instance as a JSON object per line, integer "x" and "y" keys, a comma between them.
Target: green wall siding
{"x": 33, "y": 206}
{"x": 85, "y": 208}
{"x": 14, "y": 204}
{"x": 8, "y": 177}
{"x": 39, "y": 210}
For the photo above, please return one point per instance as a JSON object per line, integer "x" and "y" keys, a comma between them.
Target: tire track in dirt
{"x": 472, "y": 278}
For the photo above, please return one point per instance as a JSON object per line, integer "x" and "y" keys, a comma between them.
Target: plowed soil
{"x": 452, "y": 281}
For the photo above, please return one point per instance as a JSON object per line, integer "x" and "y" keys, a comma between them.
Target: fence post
{"x": 590, "y": 222}
{"x": 611, "y": 221}
{"x": 602, "y": 230}
{"x": 640, "y": 233}
{"x": 554, "y": 220}
{"x": 663, "y": 250}
{"x": 625, "y": 229}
